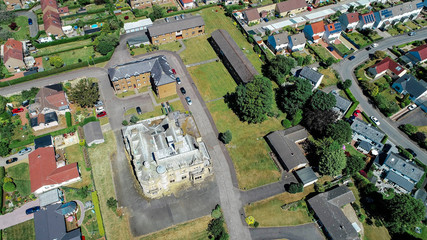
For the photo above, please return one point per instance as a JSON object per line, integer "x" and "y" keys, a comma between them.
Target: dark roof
{"x": 45, "y": 141}
{"x": 175, "y": 25}
{"x": 92, "y": 30}
{"x": 367, "y": 130}
{"x": 327, "y": 207}
{"x": 143, "y": 38}
{"x": 410, "y": 84}
{"x": 51, "y": 225}
{"x": 306, "y": 175}
{"x": 44, "y": 118}
{"x": 93, "y": 132}
{"x": 342, "y": 104}
{"x": 311, "y": 75}
{"x": 284, "y": 144}
{"x": 234, "y": 55}
{"x": 281, "y": 38}
{"x": 158, "y": 66}
{"x": 400, "y": 180}
{"x": 405, "y": 168}
{"x": 365, "y": 145}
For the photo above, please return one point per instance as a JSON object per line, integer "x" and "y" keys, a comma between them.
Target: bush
{"x": 216, "y": 213}
{"x": 98, "y": 213}
{"x": 125, "y": 123}
{"x": 226, "y": 137}
{"x": 256, "y": 224}
{"x": 296, "y": 187}
{"x": 68, "y": 119}
{"x": 286, "y": 123}
{"x": 9, "y": 187}
{"x": 409, "y": 129}
{"x": 134, "y": 119}
{"x": 112, "y": 203}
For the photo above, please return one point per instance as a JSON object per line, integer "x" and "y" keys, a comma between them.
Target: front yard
{"x": 343, "y": 49}
{"x": 173, "y": 46}
{"x": 85, "y": 54}
{"x": 330, "y": 79}
{"x": 321, "y": 52}
{"x": 359, "y": 39}
{"x": 22, "y": 231}
{"x": 22, "y": 32}
{"x": 20, "y": 174}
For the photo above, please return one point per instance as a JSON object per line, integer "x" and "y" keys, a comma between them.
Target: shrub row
{"x": 65, "y": 40}
{"x": 350, "y": 95}
{"x": 351, "y": 109}
{"x": 98, "y": 213}
{"x": 68, "y": 119}
{"x": 2, "y": 175}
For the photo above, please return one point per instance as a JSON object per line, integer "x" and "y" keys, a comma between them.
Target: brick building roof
{"x": 12, "y": 49}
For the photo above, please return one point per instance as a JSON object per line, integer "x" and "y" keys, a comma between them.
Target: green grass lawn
{"x": 412, "y": 25}
{"x": 329, "y": 79}
{"x": 422, "y": 22}
{"x": 22, "y": 32}
{"x": 74, "y": 154}
{"x": 125, "y": 94}
{"x": 353, "y": 151}
{"x": 72, "y": 57}
{"x": 173, "y": 46}
{"x": 104, "y": 120}
{"x": 322, "y": 52}
{"x": 62, "y": 47}
{"x": 375, "y": 36}
{"x": 248, "y": 149}
{"x": 393, "y": 31}
{"x": 202, "y": 52}
{"x": 342, "y": 48}
{"x": 212, "y": 80}
{"x": 21, "y": 177}
{"x": 359, "y": 39}
{"x": 22, "y": 231}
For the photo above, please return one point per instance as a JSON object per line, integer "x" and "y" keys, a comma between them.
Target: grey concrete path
{"x": 203, "y": 62}
{"x": 183, "y": 47}
{"x": 18, "y": 216}
{"x": 214, "y": 100}
{"x": 82, "y": 210}
{"x": 308, "y": 231}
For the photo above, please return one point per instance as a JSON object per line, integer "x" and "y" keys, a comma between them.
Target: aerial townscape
{"x": 213, "y": 119}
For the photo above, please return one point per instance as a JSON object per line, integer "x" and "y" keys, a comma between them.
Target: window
{"x": 184, "y": 177}
{"x": 171, "y": 181}
{"x": 198, "y": 177}
{"x": 164, "y": 39}
{"x": 200, "y": 31}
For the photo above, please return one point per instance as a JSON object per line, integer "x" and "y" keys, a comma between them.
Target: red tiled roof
{"x": 352, "y": 17}
{"x": 422, "y": 50}
{"x": 57, "y": 100}
{"x": 187, "y": 1}
{"x": 45, "y": 3}
{"x": 388, "y": 63}
{"x": 315, "y": 37}
{"x": 51, "y": 98}
{"x": 12, "y": 49}
{"x": 51, "y": 18}
{"x": 290, "y": 5}
{"x": 63, "y": 10}
{"x": 43, "y": 170}
{"x": 318, "y": 27}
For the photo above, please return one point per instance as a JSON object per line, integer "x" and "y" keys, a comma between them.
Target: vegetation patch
{"x": 198, "y": 49}
{"x": 22, "y": 231}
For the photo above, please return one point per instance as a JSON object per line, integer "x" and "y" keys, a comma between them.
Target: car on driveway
{"x": 101, "y": 114}
{"x": 411, "y": 152}
{"x": 330, "y": 48}
{"x": 17, "y": 110}
{"x": 351, "y": 58}
{"x": 356, "y": 113}
{"x": 12, "y": 160}
{"x": 374, "y": 45}
{"x": 138, "y": 110}
{"x": 188, "y": 100}
{"x": 173, "y": 71}
{"x": 30, "y": 21}
{"x": 99, "y": 103}
{"x": 32, "y": 210}
{"x": 375, "y": 120}
{"x": 183, "y": 91}
{"x": 412, "y": 107}
{"x": 24, "y": 151}
{"x": 178, "y": 80}
{"x": 99, "y": 109}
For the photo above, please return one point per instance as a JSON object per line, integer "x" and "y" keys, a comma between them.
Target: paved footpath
{"x": 308, "y": 231}
{"x": 18, "y": 216}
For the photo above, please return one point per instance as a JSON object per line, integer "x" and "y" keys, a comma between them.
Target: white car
{"x": 292, "y": 15}
{"x": 188, "y": 100}
{"x": 412, "y": 107}
{"x": 374, "y": 45}
{"x": 375, "y": 120}
{"x": 99, "y": 109}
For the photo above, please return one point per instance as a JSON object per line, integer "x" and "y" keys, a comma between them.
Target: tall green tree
{"x": 322, "y": 101}
{"x": 3, "y": 102}
{"x": 404, "y": 212}
{"x": 158, "y": 12}
{"x": 4, "y": 148}
{"x": 85, "y": 93}
{"x": 254, "y": 100}
{"x": 279, "y": 68}
{"x": 354, "y": 164}
{"x": 295, "y": 96}
{"x": 332, "y": 162}
{"x": 317, "y": 121}
{"x": 297, "y": 117}
{"x": 340, "y": 131}
{"x": 226, "y": 137}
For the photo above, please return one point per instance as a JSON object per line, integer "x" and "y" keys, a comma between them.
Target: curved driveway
{"x": 346, "y": 70}
{"x": 34, "y": 28}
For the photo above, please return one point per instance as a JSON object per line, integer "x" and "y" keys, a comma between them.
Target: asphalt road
{"x": 346, "y": 69}
{"x": 34, "y": 28}
{"x": 308, "y": 231}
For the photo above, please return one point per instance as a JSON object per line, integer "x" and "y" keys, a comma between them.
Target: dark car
{"x": 12, "y": 160}
{"x": 330, "y": 48}
{"x": 178, "y": 80}
{"x": 30, "y": 21}
{"x": 183, "y": 91}
{"x": 411, "y": 152}
{"x": 25, "y": 103}
{"x": 17, "y": 110}
{"x": 138, "y": 110}
{"x": 101, "y": 114}
{"x": 32, "y": 210}
{"x": 351, "y": 58}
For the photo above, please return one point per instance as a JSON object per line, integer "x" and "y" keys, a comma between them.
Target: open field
{"x": 100, "y": 156}
{"x": 73, "y": 56}
{"x": 74, "y": 154}
{"x": 22, "y": 231}
{"x": 212, "y": 80}
{"x": 20, "y": 174}
{"x": 248, "y": 149}
{"x": 198, "y": 50}
{"x": 195, "y": 229}
{"x": 62, "y": 47}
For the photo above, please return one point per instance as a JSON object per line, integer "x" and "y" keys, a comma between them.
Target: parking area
{"x": 18, "y": 216}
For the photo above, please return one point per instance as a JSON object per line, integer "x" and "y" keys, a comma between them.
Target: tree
{"x": 297, "y": 117}
{"x": 106, "y": 42}
{"x": 354, "y": 164}
{"x": 13, "y": 26}
{"x": 286, "y": 123}
{"x": 3, "y": 102}
{"x": 112, "y": 203}
{"x": 322, "y": 101}
{"x": 56, "y": 61}
{"x": 104, "y": 47}
{"x": 404, "y": 212}
{"x": 317, "y": 120}
{"x": 340, "y": 131}
{"x": 157, "y": 13}
{"x": 125, "y": 123}
{"x": 254, "y": 100}
{"x": 344, "y": 85}
{"x": 9, "y": 187}
{"x": 225, "y": 137}
{"x": 379, "y": 54}
{"x": 279, "y": 68}
{"x": 296, "y": 187}
{"x": 83, "y": 2}
{"x": 134, "y": 119}
{"x": 216, "y": 229}
{"x": 307, "y": 60}
{"x": 4, "y": 149}
{"x": 216, "y": 213}
{"x": 5, "y": 15}
{"x": 85, "y": 93}
{"x": 329, "y": 61}
{"x": 408, "y": 128}
{"x": 332, "y": 162}
{"x": 295, "y": 96}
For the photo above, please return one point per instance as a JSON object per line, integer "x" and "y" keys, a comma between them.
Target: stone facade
{"x": 128, "y": 84}
{"x": 173, "y": 36}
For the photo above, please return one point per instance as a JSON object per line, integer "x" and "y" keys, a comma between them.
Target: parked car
{"x": 32, "y": 210}
{"x": 25, "y": 103}
{"x": 309, "y": 9}
{"x": 183, "y": 91}
{"x": 412, "y": 33}
{"x": 368, "y": 48}
{"x": 99, "y": 109}
{"x": 188, "y": 99}
{"x": 101, "y": 114}
{"x": 30, "y": 21}
{"x": 356, "y": 113}
{"x": 138, "y": 110}
{"x": 266, "y": 19}
{"x": 412, "y": 107}
{"x": 330, "y": 48}
{"x": 351, "y": 58}
{"x": 411, "y": 152}
{"x": 178, "y": 80}
{"x": 24, "y": 151}
{"x": 374, "y": 45}
{"x": 375, "y": 120}
{"x": 99, "y": 103}
{"x": 17, "y": 110}
{"x": 12, "y": 160}
{"x": 173, "y": 71}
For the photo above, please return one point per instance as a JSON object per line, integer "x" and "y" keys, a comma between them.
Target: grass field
{"x": 62, "y": 47}
{"x": 23, "y": 31}
{"x": 195, "y": 230}
{"x": 329, "y": 79}
{"x": 353, "y": 151}
{"x": 125, "y": 94}
{"x": 72, "y": 57}
{"x": 212, "y": 80}
{"x": 248, "y": 149}
{"x": 198, "y": 50}
{"x": 21, "y": 177}
{"x": 100, "y": 156}
{"x": 359, "y": 39}
{"x": 322, "y": 52}
{"x": 74, "y": 154}
{"x": 173, "y": 46}
{"x": 22, "y": 231}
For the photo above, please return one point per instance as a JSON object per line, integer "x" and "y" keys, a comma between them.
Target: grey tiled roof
{"x": 306, "y": 175}
{"x": 342, "y": 104}
{"x": 327, "y": 207}
{"x": 400, "y": 180}
{"x": 161, "y": 72}
{"x": 175, "y": 25}
{"x": 367, "y": 130}
{"x": 410, "y": 84}
{"x": 311, "y": 75}
{"x": 93, "y": 132}
{"x": 365, "y": 146}
{"x": 408, "y": 169}
{"x": 281, "y": 38}
{"x": 297, "y": 39}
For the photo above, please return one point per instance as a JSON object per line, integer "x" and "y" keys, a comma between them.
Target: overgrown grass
{"x": 21, "y": 177}
{"x": 74, "y": 154}
{"x": 198, "y": 50}
{"x": 62, "y": 47}
{"x": 22, "y": 231}
{"x": 329, "y": 79}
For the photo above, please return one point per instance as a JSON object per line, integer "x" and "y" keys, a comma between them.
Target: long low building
{"x": 234, "y": 59}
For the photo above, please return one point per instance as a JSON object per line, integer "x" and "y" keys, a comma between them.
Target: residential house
{"x": 138, "y": 25}
{"x": 291, "y": 7}
{"x": 154, "y": 71}
{"x": 404, "y": 174}
{"x": 315, "y": 31}
{"x": 278, "y": 42}
{"x": 232, "y": 56}
{"x": 49, "y": 224}
{"x": 167, "y": 153}
{"x": 328, "y": 206}
{"x": 398, "y": 13}
{"x": 306, "y": 176}
{"x": 342, "y": 104}
{"x": 415, "y": 56}
{"x": 349, "y": 21}
{"x": 53, "y": 196}
{"x": 386, "y": 66}
{"x": 46, "y": 173}
{"x": 417, "y": 89}
{"x": 231, "y": 2}
{"x": 44, "y": 120}
{"x": 332, "y": 32}
{"x": 284, "y": 145}
{"x": 363, "y": 131}
{"x": 13, "y": 56}
{"x": 296, "y": 42}
{"x": 45, "y": 141}
{"x": 311, "y": 75}
{"x": 63, "y": 11}
{"x": 52, "y": 23}
{"x": 13, "y": 5}
{"x": 50, "y": 98}
{"x": 93, "y": 133}
{"x": 141, "y": 4}
{"x": 187, "y": 4}
{"x": 177, "y": 27}
{"x": 363, "y": 146}
{"x": 366, "y": 20}
{"x": 251, "y": 16}
{"x": 49, "y": 5}
{"x": 138, "y": 41}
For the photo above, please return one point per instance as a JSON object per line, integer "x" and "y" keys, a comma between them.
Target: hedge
{"x": 351, "y": 109}
{"x": 68, "y": 119}
{"x": 98, "y": 213}
{"x": 421, "y": 181}
{"x": 84, "y": 13}
{"x": 65, "y": 40}
{"x": 2, "y": 175}
{"x": 88, "y": 120}
{"x": 17, "y": 144}
{"x": 350, "y": 95}
{"x": 384, "y": 139}
{"x": 368, "y": 118}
